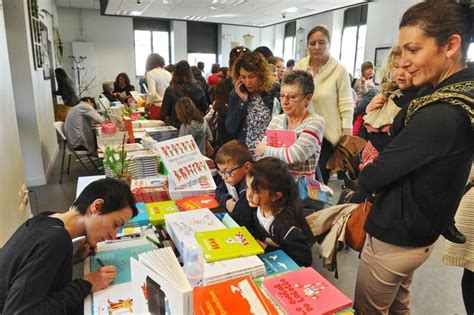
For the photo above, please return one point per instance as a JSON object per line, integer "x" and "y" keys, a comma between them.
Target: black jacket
{"x": 176, "y": 91}
{"x": 36, "y": 270}
{"x": 419, "y": 177}
{"x": 291, "y": 239}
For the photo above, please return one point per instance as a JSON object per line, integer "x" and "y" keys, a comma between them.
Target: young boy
{"x": 233, "y": 162}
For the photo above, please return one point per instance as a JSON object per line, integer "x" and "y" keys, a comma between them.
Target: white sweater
{"x": 157, "y": 80}
{"x": 332, "y": 97}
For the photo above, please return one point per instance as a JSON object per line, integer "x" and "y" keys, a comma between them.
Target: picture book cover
{"x": 235, "y": 296}
{"x": 277, "y": 262}
{"x": 182, "y": 159}
{"x": 198, "y": 202}
{"x": 305, "y": 291}
{"x": 157, "y": 210}
{"x": 181, "y": 226}
{"x": 278, "y": 138}
{"x": 227, "y": 243}
{"x": 141, "y": 218}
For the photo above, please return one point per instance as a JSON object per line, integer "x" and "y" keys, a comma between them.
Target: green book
{"x": 227, "y": 243}
{"x": 157, "y": 210}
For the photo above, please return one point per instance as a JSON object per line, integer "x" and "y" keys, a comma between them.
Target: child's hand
{"x": 262, "y": 244}
{"x": 260, "y": 148}
{"x": 270, "y": 242}
{"x": 230, "y": 204}
{"x": 378, "y": 101}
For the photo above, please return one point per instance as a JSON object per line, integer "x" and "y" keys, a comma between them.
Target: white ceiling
{"x": 258, "y": 13}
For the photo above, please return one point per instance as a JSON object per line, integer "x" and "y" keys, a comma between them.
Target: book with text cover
{"x": 305, "y": 290}
{"x": 236, "y": 296}
{"x": 159, "y": 284}
{"x": 277, "y": 262}
{"x": 227, "y": 243}
{"x": 181, "y": 226}
{"x": 279, "y": 138}
{"x": 157, "y": 210}
{"x": 198, "y": 202}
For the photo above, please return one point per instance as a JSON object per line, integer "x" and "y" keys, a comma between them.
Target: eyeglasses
{"x": 238, "y": 50}
{"x": 290, "y": 97}
{"x": 228, "y": 173}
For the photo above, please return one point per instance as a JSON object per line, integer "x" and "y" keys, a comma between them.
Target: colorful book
{"x": 157, "y": 210}
{"x": 198, "y": 202}
{"x": 236, "y": 296}
{"x": 305, "y": 291}
{"x": 182, "y": 226}
{"x": 227, "y": 243}
{"x": 141, "y": 219}
{"x": 151, "y": 189}
{"x": 204, "y": 185}
{"x": 159, "y": 284}
{"x": 279, "y": 138}
{"x": 277, "y": 262}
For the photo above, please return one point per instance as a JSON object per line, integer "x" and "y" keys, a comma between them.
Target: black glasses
{"x": 228, "y": 173}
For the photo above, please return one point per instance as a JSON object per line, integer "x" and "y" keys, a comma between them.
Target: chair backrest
{"x": 59, "y": 125}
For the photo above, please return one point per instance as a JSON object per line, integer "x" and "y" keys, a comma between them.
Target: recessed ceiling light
{"x": 135, "y": 13}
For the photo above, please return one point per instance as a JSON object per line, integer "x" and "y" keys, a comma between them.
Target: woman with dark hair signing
{"x": 419, "y": 177}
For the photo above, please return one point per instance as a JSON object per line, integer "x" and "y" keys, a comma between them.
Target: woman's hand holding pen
{"x": 102, "y": 277}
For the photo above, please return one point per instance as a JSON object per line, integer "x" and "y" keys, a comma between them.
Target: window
{"x": 151, "y": 36}
{"x": 470, "y": 53}
{"x": 202, "y": 44}
{"x": 289, "y": 42}
{"x": 353, "y": 39}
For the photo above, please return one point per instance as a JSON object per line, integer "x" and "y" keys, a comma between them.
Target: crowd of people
{"x": 418, "y": 125}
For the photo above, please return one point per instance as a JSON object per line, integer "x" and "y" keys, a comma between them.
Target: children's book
{"x": 236, "y": 296}
{"x": 141, "y": 218}
{"x": 157, "y": 210}
{"x": 233, "y": 268}
{"x": 151, "y": 189}
{"x": 181, "y": 226}
{"x": 198, "y": 202}
{"x": 279, "y": 138}
{"x": 227, "y": 243}
{"x": 182, "y": 159}
{"x": 204, "y": 185}
{"x": 305, "y": 291}
{"x": 159, "y": 284}
{"x": 277, "y": 262}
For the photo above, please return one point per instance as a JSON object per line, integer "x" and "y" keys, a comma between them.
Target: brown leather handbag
{"x": 355, "y": 232}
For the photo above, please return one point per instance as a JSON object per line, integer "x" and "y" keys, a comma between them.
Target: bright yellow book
{"x": 157, "y": 210}
{"x": 227, "y": 243}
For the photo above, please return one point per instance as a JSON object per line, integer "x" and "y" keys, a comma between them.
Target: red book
{"x": 198, "y": 202}
{"x": 278, "y": 138}
{"x": 236, "y": 296}
{"x": 305, "y": 291}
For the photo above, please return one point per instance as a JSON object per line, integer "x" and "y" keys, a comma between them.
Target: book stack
{"x": 150, "y": 189}
{"x": 143, "y": 164}
{"x": 305, "y": 291}
{"x": 223, "y": 270}
{"x": 156, "y": 211}
{"x": 199, "y": 202}
{"x": 236, "y": 296}
{"x": 204, "y": 185}
{"x": 162, "y": 133}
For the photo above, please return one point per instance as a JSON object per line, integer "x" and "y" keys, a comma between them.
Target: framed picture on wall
{"x": 381, "y": 54}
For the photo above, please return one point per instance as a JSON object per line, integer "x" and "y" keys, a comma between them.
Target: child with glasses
{"x": 233, "y": 161}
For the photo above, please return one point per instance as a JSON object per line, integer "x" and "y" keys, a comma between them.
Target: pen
{"x": 159, "y": 245}
{"x": 101, "y": 263}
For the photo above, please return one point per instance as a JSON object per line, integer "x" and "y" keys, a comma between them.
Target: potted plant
{"x": 116, "y": 161}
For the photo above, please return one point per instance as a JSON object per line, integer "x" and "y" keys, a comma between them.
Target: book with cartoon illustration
{"x": 279, "y": 138}
{"x": 277, "y": 262}
{"x": 181, "y": 226}
{"x": 236, "y": 296}
{"x": 157, "y": 210}
{"x": 305, "y": 291}
{"x": 227, "y": 243}
{"x": 159, "y": 284}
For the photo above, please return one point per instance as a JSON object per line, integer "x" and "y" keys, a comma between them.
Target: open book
{"x": 159, "y": 284}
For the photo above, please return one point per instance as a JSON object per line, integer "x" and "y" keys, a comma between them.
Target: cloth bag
{"x": 355, "y": 231}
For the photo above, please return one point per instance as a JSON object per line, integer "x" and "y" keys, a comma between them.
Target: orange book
{"x": 198, "y": 202}
{"x": 235, "y": 296}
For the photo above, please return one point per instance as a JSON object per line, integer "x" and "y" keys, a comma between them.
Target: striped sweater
{"x": 303, "y": 155}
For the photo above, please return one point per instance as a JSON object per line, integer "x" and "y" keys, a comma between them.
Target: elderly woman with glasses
{"x": 295, "y": 95}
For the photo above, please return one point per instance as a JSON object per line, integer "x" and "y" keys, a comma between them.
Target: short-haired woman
{"x": 420, "y": 176}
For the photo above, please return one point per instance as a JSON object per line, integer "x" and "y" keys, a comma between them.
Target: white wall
{"x": 179, "y": 43}
{"x": 12, "y": 176}
{"x": 32, "y": 94}
{"x": 304, "y": 25}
